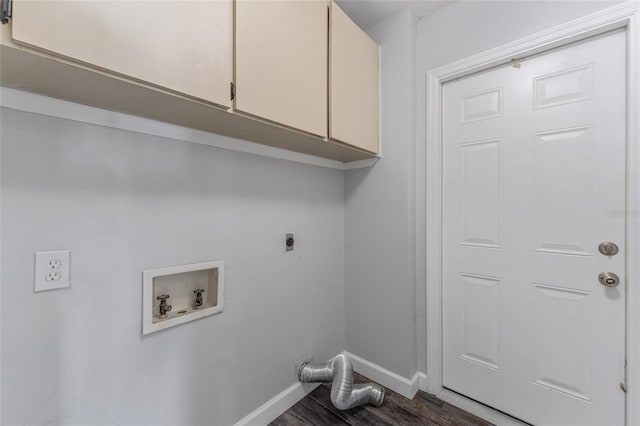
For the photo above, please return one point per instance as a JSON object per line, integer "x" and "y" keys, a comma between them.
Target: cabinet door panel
{"x": 183, "y": 46}
{"x": 281, "y": 62}
{"x": 353, "y": 93}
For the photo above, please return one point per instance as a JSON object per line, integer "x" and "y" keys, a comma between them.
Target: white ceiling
{"x": 367, "y": 13}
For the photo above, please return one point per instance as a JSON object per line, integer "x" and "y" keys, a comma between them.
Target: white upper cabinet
{"x": 305, "y": 76}
{"x": 182, "y": 46}
{"x": 353, "y": 83}
{"x": 281, "y": 62}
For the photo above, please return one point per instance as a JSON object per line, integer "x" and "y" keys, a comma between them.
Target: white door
{"x": 534, "y": 181}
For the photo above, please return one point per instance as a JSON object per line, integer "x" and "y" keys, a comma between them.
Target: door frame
{"x": 622, "y": 16}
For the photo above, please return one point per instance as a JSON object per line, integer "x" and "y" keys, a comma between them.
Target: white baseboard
{"x": 405, "y": 387}
{"x": 286, "y": 399}
{"x": 277, "y": 405}
{"x": 422, "y": 381}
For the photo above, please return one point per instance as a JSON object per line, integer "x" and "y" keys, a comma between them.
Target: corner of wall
{"x": 380, "y": 216}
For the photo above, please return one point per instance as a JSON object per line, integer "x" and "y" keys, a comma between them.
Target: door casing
{"x": 626, "y": 16}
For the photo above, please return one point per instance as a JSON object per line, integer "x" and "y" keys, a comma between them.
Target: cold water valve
{"x": 164, "y": 307}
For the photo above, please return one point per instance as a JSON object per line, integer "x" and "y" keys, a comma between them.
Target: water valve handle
{"x": 198, "y": 302}
{"x": 164, "y": 307}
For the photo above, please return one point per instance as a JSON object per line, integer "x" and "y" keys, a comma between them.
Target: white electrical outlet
{"x": 52, "y": 270}
{"x": 54, "y": 264}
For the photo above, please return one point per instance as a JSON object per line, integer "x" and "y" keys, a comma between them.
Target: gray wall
{"x": 379, "y": 217}
{"x": 124, "y": 202}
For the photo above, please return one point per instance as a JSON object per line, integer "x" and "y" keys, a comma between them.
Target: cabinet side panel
{"x": 353, "y": 84}
{"x": 183, "y": 46}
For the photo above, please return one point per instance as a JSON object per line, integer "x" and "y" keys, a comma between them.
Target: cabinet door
{"x": 281, "y": 62}
{"x": 183, "y": 46}
{"x": 353, "y": 94}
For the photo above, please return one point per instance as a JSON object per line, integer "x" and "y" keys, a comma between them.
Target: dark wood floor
{"x": 317, "y": 409}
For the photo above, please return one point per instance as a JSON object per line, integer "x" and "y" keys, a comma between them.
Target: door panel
{"x": 482, "y": 106}
{"x": 563, "y": 191}
{"x": 481, "y": 190}
{"x": 562, "y": 340}
{"x": 563, "y": 87}
{"x": 534, "y": 180}
{"x": 481, "y": 320}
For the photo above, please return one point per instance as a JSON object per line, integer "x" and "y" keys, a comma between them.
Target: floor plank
{"x": 424, "y": 409}
{"x": 314, "y": 414}
{"x": 288, "y": 419}
{"x": 355, "y": 416}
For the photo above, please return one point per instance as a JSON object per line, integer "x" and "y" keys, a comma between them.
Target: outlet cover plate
{"x": 52, "y": 270}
